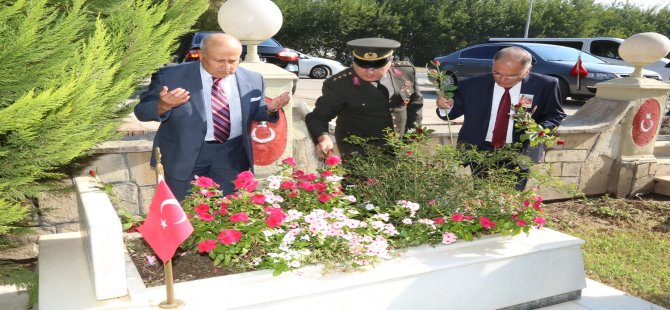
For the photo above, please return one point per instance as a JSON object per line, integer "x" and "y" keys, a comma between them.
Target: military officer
{"x": 375, "y": 93}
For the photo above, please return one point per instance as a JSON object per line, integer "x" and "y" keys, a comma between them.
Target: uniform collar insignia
{"x": 357, "y": 81}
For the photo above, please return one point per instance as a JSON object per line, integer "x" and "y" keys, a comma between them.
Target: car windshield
{"x": 559, "y": 53}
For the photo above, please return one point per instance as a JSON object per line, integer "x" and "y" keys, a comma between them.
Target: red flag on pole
{"x": 166, "y": 225}
{"x": 579, "y": 70}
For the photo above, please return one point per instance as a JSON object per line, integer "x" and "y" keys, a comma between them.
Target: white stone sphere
{"x": 250, "y": 20}
{"x": 644, "y": 48}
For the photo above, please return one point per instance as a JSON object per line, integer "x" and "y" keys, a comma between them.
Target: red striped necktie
{"x": 502, "y": 121}
{"x": 220, "y": 112}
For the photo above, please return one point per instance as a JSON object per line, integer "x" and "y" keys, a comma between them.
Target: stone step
{"x": 662, "y": 185}
{"x": 662, "y": 146}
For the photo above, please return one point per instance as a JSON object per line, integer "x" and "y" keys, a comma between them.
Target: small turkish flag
{"x": 166, "y": 225}
{"x": 579, "y": 70}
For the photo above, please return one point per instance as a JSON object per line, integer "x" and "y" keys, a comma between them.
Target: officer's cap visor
{"x": 372, "y": 64}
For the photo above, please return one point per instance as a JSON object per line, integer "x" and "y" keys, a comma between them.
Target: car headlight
{"x": 601, "y": 76}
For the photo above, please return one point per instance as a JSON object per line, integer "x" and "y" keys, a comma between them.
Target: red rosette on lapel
{"x": 268, "y": 140}
{"x": 397, "y": 72}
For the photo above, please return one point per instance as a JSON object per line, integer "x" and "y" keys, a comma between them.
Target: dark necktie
{"x": 382, "y": 89}
{"x": 220, "y": 112}
{"x": 502, "y": 121}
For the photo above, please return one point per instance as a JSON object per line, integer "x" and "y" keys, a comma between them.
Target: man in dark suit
{"x": 205, "y": 109}
{"x": 372, "y": 95}
{"x": 478, "y": 99}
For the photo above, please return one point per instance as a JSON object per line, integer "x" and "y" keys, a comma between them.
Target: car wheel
{"x": 565, "y": 90}
{"x": 451, "y": 79}
{"x": 319, "y": 72}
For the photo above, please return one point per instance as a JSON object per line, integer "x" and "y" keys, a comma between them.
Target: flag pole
{"x": 171, "y": 302}
{"x": 579, "y": 71}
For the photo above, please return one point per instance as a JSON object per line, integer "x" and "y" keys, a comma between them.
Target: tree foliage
{"x": 429, "y": 28}
{"x": 67, "y": 73}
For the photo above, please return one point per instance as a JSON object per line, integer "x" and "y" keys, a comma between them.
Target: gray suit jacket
{"x": 182, "y": 130}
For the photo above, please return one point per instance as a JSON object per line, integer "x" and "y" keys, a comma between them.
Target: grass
{"x": 627, "y": 242}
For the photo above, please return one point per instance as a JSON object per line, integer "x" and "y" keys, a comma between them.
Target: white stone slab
{"x": 489, "y": 273}
{"x": 103, "y": 240}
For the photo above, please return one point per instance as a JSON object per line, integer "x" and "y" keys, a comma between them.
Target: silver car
{"x": 552, "y": 60}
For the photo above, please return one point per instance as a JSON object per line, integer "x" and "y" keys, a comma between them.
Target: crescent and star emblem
{"x": 172, "y": 202}
{"x": 646, "y": 120}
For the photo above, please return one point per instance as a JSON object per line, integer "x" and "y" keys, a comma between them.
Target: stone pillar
{"x": 646, "y": 99}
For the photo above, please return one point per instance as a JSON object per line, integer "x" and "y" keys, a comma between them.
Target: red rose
{"x": 206, "y": 246}
{"x": 239, "y": 217}
{"x": 229, "y": 236}
{"x": 289, "y": 161}
{"x": 410, "y": 153}
{"x": 333, "y": 160}
{"x": 436, "y": 62}
{"x": 560, "y": 142}
{"x": 275, "y": 216}
{"x": 92, "y": 173}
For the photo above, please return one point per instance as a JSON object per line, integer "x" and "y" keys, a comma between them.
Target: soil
{"x": 604, "y": 212}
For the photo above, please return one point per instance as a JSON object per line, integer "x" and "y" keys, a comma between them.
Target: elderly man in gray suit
{"x": 205, "y": 109}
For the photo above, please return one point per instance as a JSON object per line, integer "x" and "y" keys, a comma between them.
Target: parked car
{"x": 318, "y": 68}
{"x": 605, "y": 48}
{"x": 552, "y": 60}
{"x": 269, "y": 51}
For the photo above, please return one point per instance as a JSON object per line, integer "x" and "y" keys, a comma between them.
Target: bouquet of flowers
{"x": 530, "y": 130}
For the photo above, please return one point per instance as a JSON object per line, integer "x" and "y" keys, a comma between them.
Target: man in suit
{"x": 205, "y": 109}
{"x": 488, "y": 127}
{"x": 372, "y": 95}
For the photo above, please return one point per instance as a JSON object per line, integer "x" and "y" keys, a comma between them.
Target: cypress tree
{"x": 67, "y": 74}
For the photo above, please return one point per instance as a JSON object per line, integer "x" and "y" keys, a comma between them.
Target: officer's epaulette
{"x": 342, "y": 74}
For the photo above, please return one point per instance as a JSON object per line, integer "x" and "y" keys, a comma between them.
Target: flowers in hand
{"x": 441, "y": 81}
{"x": 530, "y": 130}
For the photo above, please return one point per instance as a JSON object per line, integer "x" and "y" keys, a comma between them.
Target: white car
{"x": 318, "y": 68}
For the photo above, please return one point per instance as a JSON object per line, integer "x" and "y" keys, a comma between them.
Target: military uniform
{"x": 364, "y": 109}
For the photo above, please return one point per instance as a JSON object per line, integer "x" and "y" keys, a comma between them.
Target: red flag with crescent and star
{"x": 166, "y": 225}
{"x": 579, "y": 70}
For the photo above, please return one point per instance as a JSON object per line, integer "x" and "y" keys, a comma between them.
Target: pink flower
{"x": 202, "y": 208}
{"x": 333, "y": 160}
{"x": 275, "y": 216}
{"x": 457, "y": 217}
{"x": 439, "y": 220}
{"x": 370, "y": 182}
{"x": 293, "y": 194}
{"x": 239, "y": 217}
{"x": 245, "y": 180}
{"x": 309, "y": 177}
{"x": 206, "y": 246}
{"x": 448, "y": 238}
{"x": 288, "y": 185}
{"x": 289, "y": 161}
{"x": 207, "y": 217}
{"x": 469, "y": 217}
{"x": 204, "y": 182}
{"x": 537, "y": 203}
{"x": 229, "y": 236}
{"x": 306, "y": 186}
{"x": 326, "y": 173}
{"x": 540, "y": 221}
{"x": 223, "y": 210}
{"x": 324, "y": 197}
{"x": 320, "y": 187}
{"x": 521, "y": 223}
{"x": 258, "y": 199}
{"x": 486, "y": 223}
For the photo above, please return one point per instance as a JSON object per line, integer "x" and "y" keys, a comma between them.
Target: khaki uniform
{"x": 364, "y": 110}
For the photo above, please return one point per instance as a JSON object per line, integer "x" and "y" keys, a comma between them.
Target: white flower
{"x": 407, "y": 221}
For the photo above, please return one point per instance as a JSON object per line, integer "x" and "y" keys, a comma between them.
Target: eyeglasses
{"x": 508, "y": 76}
{"x": 375, "y": 64}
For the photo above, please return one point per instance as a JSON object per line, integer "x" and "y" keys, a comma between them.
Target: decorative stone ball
{"x": 644, "y": 48}
{"x": 250, "y": 20}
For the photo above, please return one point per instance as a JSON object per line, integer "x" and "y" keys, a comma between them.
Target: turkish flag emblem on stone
{"x": 166, "y": 225}
{"x": 268, "y": 140}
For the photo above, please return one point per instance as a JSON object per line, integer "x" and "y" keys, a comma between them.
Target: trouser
{"x": 221, "y": 162}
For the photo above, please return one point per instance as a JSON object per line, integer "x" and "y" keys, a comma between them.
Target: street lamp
{"x": 530, "y": 9}
{"x": 250, "y": 21}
